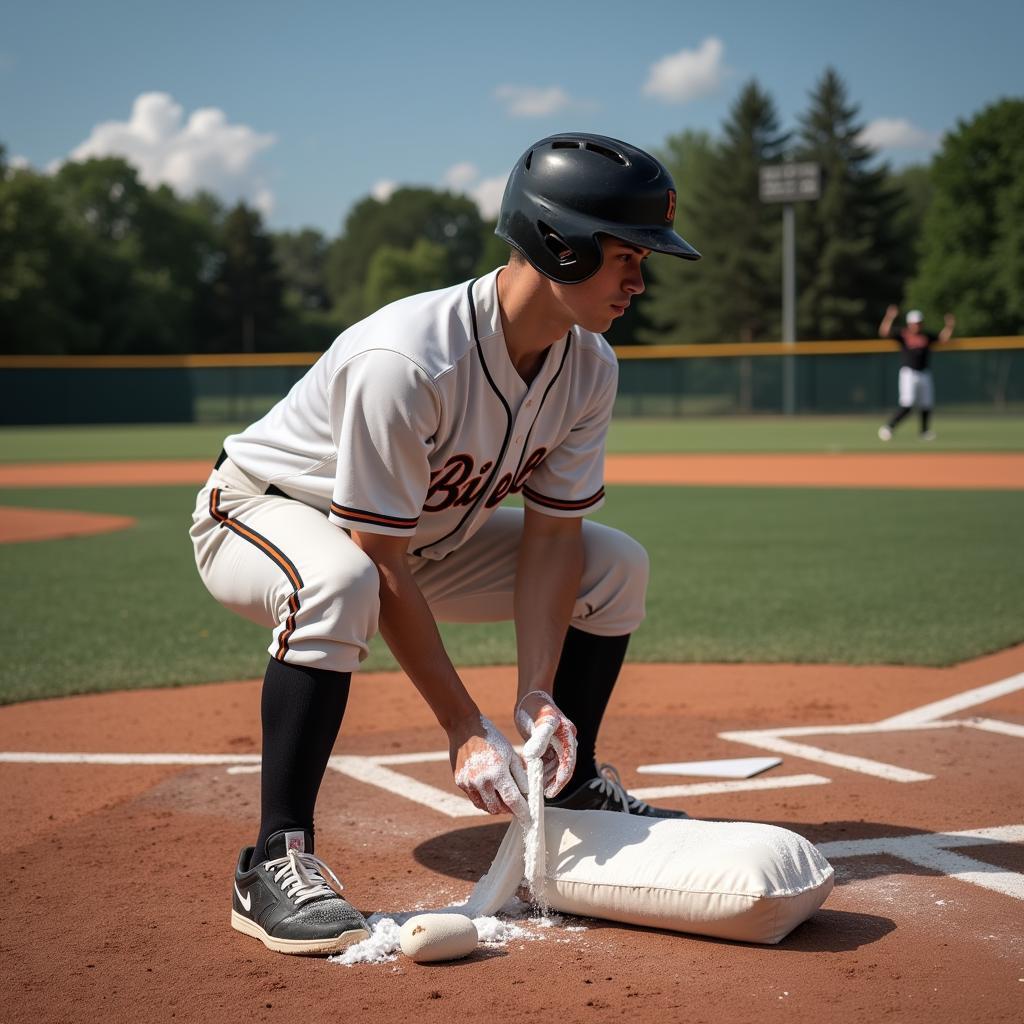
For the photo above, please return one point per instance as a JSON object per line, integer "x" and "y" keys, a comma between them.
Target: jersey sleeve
{"x": 385, "y": 411}
{"x": 570, "y": 480}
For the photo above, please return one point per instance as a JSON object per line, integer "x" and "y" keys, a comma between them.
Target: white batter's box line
{"x": 39, "y": 757}
{"x": 928, "y": 716}
{"x": 933, "y": 851}
{"x": 376, "y": 771}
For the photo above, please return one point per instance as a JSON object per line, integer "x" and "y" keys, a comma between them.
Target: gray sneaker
{"x": 286, "y": 903}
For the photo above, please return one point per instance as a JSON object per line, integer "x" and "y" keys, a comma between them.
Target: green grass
{"x": 133, "y": 441}
{"x": 739, "y": 434}
{"x": 812, "y": 434}
{"x": 739, "y": 575}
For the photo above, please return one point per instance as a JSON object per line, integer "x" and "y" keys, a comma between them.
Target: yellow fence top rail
{"x": 724, "y": 350}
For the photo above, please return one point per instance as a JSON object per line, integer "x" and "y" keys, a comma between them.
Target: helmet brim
{"x": 663, "y": 240}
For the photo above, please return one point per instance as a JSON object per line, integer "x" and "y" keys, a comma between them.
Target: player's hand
{"x": 949, "y": 320}
{"x": 893, "y": 310}
{"x": 487, "y": 769}
{"x": 549, "y": 733}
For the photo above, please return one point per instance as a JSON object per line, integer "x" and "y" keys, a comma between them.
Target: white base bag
{"x": 730, "y": 880}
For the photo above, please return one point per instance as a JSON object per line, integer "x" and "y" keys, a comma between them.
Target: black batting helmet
{"x": 567, "y": 189}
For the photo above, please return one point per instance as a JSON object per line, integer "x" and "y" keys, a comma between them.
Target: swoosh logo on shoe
{"x": 245, "y": 900}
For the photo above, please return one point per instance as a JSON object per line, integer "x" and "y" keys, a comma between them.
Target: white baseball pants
{"x": 916, "y": 388}
{"x": 282, "y": 564}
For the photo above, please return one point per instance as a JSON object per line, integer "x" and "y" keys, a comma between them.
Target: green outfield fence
{"x": 971, "y": 375}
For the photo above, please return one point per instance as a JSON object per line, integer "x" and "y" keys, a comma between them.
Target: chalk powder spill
{"x": 383, "y": 944}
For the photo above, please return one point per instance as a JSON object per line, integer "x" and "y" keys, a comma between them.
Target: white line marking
{"x": 769, "y": 741}
{"x": 933, "y": 851}
{"x": 716, "y": 768}
{"x": 924, "y": 717}
{"x": 30, "y": 757}
{"x": 707, "y": 788}
{"x": 370, "y": 771}
{"x": 994, "y": 725}
{"x": 858, "y": 729}
{"x": 959, "y": 702}
{"x": 421, "y": 758}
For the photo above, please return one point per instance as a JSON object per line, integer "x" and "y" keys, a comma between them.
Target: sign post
{"x": 789, "y": 183}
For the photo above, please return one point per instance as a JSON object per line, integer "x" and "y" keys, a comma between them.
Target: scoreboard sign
{"x": 789, "y": 183}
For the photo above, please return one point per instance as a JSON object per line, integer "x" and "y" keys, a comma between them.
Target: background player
{"x": 915, "y": 380}
{"x": 369, "y": 497}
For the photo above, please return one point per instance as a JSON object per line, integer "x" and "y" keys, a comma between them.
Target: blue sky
{"x": 305, "y": 108}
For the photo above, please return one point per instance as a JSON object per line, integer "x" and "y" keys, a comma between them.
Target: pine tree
{"x": 850, "y": 262}
{"x": 248, "y": 294}
{"x": 732, "y": 294}
{"x": 973, "y": 237}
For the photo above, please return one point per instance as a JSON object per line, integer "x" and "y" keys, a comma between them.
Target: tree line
{"x": 94, "y": 261}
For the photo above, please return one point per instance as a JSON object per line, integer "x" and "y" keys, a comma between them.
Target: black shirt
{"x": 916, "y": 347}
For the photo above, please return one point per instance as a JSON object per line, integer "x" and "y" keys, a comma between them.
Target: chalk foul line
{"x": 934, "y": 851}
{"x": 926, "y": 717}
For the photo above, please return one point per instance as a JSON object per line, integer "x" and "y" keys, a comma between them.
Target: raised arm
{"x": 948, "y": 323}
{"x": 885, "y": 326}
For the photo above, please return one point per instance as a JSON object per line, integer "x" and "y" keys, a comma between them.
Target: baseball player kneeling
{"x": 370, "y": 498}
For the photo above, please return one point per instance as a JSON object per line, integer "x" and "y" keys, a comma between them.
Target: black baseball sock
{"x": 302, "y": 709}
{"x": 901, "y": 414}
{"x": 587, "y": 672}
{"x": 926, "y": 415}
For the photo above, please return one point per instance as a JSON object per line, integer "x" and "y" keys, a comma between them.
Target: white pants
{"x": 282, "y": 564}
{"x": 916, "y": 388}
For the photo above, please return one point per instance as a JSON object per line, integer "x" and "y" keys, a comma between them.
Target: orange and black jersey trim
{"x": 559, "y": 503}
{"x": 275, "y": 554}
{"x": 359, "y": 515}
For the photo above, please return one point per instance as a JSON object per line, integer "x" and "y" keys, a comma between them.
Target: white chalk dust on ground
{"x": 516, "y": 921}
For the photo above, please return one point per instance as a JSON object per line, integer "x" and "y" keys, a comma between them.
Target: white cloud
{"x": 487, "y": 194}
{"x": 896, "y": 133}
{"x": 383, "y": 190}
{"x": 463, "y": 179}
{"x": 459, "y": 176}
{"x": 204, "y": 152}
{"x": 689, "y": 74}
{"x": 530, "y": 101}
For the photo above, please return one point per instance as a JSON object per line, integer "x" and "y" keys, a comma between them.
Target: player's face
{"x": 599, "y": 301}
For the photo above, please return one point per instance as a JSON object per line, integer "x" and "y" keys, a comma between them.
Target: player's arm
{"x": 885, "y": 327}
{"x": 948, "y": 324}
{"x": 484, "y": 764}
{"x": 548, "y": 573}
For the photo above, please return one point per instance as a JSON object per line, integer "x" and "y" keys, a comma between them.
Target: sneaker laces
{"x": 298, "y": 875}
{"x": 609, "y": 784}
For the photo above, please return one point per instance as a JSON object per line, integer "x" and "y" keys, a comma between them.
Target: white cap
{"x": 915, "y": 316}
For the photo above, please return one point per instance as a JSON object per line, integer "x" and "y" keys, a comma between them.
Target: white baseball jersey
{"x": 416, "y": 423}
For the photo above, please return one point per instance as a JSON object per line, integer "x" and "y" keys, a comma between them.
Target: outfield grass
{"x": 770, "y": 575}
{"x": 750, "y": 434}
{"x": 812, "y": 434}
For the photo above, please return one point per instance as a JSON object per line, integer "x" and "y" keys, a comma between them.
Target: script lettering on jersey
{"x": 458, "y": 482}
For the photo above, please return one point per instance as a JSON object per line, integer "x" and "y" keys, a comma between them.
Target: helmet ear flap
{"x": 557, "y": 246}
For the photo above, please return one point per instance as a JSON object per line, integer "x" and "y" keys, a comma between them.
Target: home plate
{"x": 725, "y": 768}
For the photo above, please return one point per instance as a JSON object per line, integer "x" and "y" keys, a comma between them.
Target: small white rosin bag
{"x": 730, "y": 880}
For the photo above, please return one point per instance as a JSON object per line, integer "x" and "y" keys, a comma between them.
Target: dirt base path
{"x": 27, "y": 524}
{"x": 117, "y": 868}
{"x": 1001, "y": 470}
{"x": 891, "y": 470}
